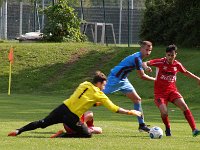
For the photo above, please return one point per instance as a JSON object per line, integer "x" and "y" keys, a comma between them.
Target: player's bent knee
{"x": 89, "y": 116}
{"x": 138, "y": 100}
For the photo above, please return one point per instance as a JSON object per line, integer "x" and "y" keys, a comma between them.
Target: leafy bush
{"x": 62, "y": 23}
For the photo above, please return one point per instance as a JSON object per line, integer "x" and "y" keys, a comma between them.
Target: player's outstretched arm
{"x": 144, "y": 76}
{"x": 129, "y": 112}
{"x": 191, "y": 75}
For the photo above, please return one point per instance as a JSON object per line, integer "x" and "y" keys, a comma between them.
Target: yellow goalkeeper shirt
{"x": 85, "y": 96}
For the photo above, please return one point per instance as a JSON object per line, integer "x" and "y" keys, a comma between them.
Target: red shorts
{"x": 164, "y": 98}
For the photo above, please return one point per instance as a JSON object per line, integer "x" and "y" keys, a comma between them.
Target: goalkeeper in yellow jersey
{"x": 71, "y": 110}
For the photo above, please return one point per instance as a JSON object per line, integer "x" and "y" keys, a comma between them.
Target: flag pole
{"x": 9, "y": 83}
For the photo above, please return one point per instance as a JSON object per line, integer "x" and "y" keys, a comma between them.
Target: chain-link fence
{"x": 122, "y": 18}
{"x": 125, "y": 15}
{"x": 18, "y": 17}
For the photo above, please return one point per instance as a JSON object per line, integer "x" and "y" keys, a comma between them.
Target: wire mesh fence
{"x": 18, "y": 17}
{"x": 121, "y": 18}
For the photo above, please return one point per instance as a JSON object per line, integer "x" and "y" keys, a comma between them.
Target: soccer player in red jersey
{"x": 165, "y": 89}
{"x": 88, "y": 119}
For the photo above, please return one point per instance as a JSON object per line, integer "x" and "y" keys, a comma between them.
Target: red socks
{"x": 166, "y": 121}
{"x": 189, "y": 117}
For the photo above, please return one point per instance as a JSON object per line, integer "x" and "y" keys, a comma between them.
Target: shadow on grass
{"x": 38, "y": 137}
{"x": 35, "y": 132}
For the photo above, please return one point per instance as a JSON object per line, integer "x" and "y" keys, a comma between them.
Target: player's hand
{"x": 135, "y": 113}
{"x": 148, "y": 69}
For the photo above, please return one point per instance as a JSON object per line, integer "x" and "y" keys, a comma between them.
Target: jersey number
{"x": 83, "y": 92}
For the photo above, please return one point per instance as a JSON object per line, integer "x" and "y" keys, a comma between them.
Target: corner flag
{"x": 10, "y": 55}
{"x": 11, "y": 59}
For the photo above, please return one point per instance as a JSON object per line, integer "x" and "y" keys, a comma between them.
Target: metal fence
{"x": 18, "y": 18}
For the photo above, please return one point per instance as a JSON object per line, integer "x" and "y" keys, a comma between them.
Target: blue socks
{"x": 139, "y": 108}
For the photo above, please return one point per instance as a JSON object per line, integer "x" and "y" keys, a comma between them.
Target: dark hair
{"x": 144, "y": 43}
{"x": 99, "y": 77}
{"x": 171, "y": 48}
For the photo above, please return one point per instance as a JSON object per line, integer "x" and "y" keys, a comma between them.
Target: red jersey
{"x": 166, "y": 75}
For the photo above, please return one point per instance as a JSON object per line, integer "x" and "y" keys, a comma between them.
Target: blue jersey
{"x": 132, "y": 62}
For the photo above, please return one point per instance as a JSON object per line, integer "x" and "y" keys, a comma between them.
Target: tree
{"x": 172, "y": 21}
{"x": 189, "y": 22}
{"x": 62, "y": 23}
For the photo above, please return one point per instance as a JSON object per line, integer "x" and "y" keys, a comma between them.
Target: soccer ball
{"x": 156, "y": 133}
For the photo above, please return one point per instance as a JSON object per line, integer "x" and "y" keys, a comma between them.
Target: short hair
{"x": 144, "y": 43}
{"x": 171, "y": 48}
{"x": 99, "y": 77}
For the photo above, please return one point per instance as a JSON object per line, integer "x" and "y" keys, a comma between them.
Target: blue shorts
{"x": 115, "y": 84}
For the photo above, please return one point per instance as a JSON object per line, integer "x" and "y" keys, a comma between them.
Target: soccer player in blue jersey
{"x": 118, "y": 81}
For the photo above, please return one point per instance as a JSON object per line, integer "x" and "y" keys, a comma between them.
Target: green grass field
{"x": 119, "y": 131}
{"x": 46, "y": 74}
